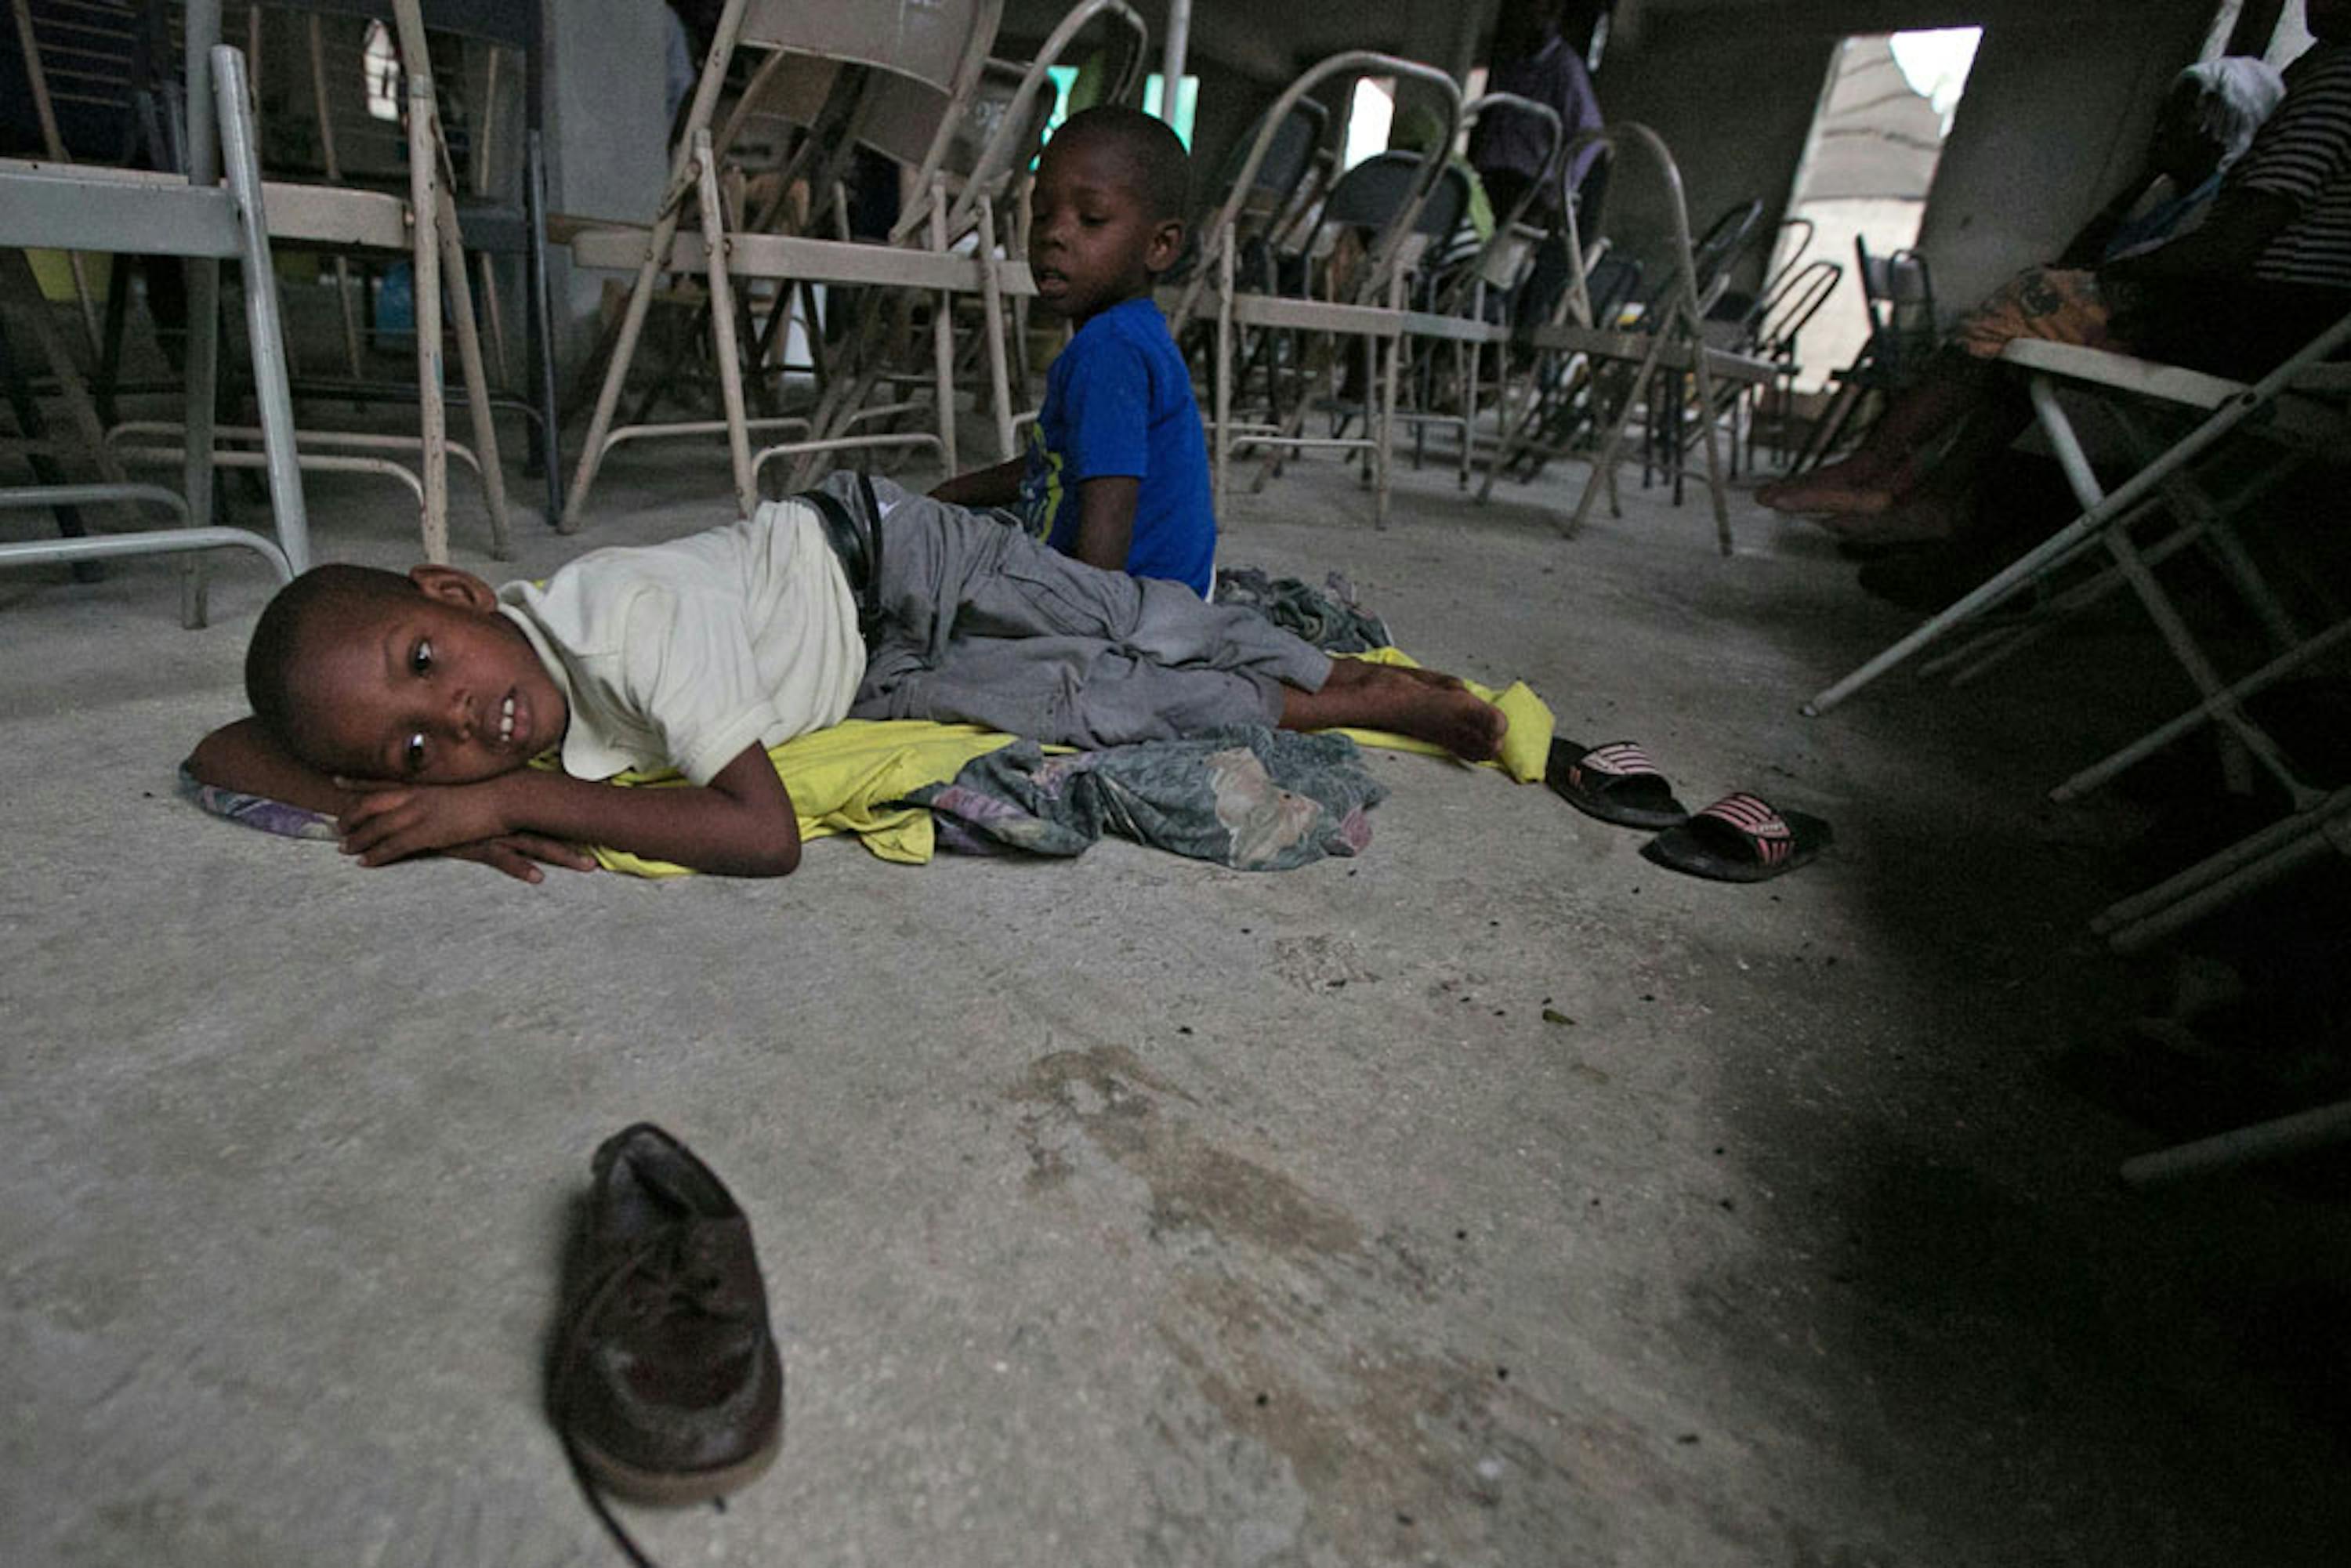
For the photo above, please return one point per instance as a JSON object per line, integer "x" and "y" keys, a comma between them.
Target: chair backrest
{"x": 940, "y": 42}
{"x": 1792, "y": 303}
{"x": 1898, "y": 290}
{"x": 1613, "y": 281}
{"x": 1004, "y": 129}
{"x": 916, "y": 67}
{"x": 311, "y": 57}
{"x": 1221, "y": 228}
{"x": 70, "y": 95}
{"x": 1554, "y": 132}
{"x": 1720, "y": 246}
{"x": 1288, "y": 156}
{"x": 1373, "y": 193}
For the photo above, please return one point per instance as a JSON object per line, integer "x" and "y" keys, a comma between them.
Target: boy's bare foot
{"x": 1390, "y": 697}
{"x": 1468, "y": 727}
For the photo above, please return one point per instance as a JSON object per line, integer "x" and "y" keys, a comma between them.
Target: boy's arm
{"x": 242, "y": 757}
{"x": 740, "y": 824}
{"x": 1106, "y": 521}
{"x": 997, "y": 487}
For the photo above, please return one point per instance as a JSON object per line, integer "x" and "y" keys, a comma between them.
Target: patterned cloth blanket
{"x": 1251, "y": 798}
{"x": 1327, "y": 617}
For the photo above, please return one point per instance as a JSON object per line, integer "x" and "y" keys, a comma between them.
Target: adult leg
{"x": 1890, "y": 461}
{"x": 2055, "y": 305}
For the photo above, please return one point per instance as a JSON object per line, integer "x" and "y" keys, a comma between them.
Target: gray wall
{"x": 607, "y": 135}
{"x": 2048, "y": 142}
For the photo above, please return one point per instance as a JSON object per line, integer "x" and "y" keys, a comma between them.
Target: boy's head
{"x": 1107, "y": 215}
{"x": 372, "y": 674}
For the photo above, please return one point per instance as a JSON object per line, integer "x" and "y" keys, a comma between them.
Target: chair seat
{"x": 2311, "y": 412}
{"x": 2103, "y": 366}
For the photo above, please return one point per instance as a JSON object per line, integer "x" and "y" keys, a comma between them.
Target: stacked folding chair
{"x": 1897, "y": 293}
{"x": 1373, "y": 311}
{"x": 1669, "y": 339}
{"x": 1771, "y": 329}
{"x": 907, "y": 79}
{"x": 339, "y": 217}
{"x": 488, "y": 105}
{"x": 1459, "y": 312}
{"x": 120, "y": 212}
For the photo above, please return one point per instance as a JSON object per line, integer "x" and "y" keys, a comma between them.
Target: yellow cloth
{"x": 1526, "y": 748}
{"x": 847, "y": 779}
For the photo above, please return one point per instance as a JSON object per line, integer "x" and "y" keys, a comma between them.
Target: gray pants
{"x": 982, "y": 624}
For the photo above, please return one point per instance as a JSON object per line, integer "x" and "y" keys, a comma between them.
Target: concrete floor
{"x": 1494, "y": 1197}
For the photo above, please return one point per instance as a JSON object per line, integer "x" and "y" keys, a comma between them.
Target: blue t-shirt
{"x": 1118, "y": 402}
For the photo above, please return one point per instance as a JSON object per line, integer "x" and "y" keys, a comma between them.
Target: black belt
{"x": 857, "y": 540}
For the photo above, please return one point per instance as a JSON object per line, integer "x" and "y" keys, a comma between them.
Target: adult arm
{"x": 2224, "y": 247}
{"x": 1106, "y": 521}
{"x": 739, "y": 824}
{"x": 242, "y": 757}
{"x": 995, "y": 486}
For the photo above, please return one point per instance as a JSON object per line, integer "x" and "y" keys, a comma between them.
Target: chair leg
{"x": 999, "y": 378}
{"x": 2304, "y": 1131}
{"x": 722, "y": 324}
{"x": 943, "y": 329}
{"x": 264, "y": 324}
{"x": 478, "y": 409}
{"x": 2137, "y": 923}
{"x": 541, "y": 335}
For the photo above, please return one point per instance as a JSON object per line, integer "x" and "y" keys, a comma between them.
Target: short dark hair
{"x": 1156, "y": 159}
{"x": 310, "y": 605}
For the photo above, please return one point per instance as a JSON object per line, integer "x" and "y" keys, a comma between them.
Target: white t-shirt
{"x": 680, "y": 654}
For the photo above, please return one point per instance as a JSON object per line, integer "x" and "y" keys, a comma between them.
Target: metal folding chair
{"x": 120, "y": 212}
{"x": 1898, "y": 292}
{"x": 2298, "y": 407}
{"x": 339, "y": 218}
{"x": 1670, "y": 339}
{"x": 1373, "y": 314}
{"x": 1460, "y": 299}
{"x": 938, "y": 46}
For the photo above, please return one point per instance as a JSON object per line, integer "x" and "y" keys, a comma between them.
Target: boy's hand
{"x": 393, "y": 821}
{"x": 515, "y": 855}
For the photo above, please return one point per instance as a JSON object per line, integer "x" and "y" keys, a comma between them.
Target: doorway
{"x": 1867, "y": 167}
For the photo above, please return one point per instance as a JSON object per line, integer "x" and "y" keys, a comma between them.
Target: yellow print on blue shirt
{"x": 1041, "y": 489}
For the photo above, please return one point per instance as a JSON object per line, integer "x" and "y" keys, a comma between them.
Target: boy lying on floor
{"x": 408, "y": 707}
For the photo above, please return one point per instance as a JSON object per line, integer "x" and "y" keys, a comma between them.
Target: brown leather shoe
{"x": 668, "y": 1389}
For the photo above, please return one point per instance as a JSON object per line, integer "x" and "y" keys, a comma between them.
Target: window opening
{"x": 1371, "y": 112}
{"x": 381, "y": 64}
{"x": 1187, "y": 102}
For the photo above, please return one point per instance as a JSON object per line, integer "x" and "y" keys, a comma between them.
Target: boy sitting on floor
{"x": 1116, "y": 472}
{"x": 409, "y": 706}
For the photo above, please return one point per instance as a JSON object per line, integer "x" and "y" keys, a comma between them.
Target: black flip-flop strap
{"x": 1761, "y": 833}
